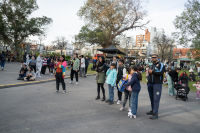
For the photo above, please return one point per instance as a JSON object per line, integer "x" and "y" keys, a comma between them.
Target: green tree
{"x": 16, "y": 24}
{"x": 188, "y": 25}
{"x": 107, "y": 19}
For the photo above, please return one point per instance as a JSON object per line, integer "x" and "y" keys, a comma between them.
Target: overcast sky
{"x": 66, "y": 23}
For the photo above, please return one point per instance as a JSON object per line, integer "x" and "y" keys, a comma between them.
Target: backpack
{"x": 3, "y": 57}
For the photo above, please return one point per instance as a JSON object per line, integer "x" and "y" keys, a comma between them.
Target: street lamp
{"x": 128, "y": 40}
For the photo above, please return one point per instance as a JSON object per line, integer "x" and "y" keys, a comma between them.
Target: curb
{"x": 32, "y": 82}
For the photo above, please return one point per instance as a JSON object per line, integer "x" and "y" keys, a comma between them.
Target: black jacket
{"x": 120, "y": 73}
{"x": 22, "y": 69}
{"x": 86, "y": 62}
{"x": 174, "y": 75}
{"x": 157, "y": 75}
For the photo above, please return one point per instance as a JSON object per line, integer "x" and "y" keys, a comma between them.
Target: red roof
{"x": 182, "y": 53}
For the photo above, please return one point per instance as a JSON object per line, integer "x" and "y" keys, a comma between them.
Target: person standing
{"x": 119, "y": 77}
{"x": 24, "y": 58}
{"x": 100, "y": 77}
{"x": 185, "y": 65}
{"x": 34, "y": 55}
{"x": 74, "y": 68}
{"x": 60, "y": 73}
{"x": 110, "y": 80}
{"x": 27, "y": 59}
{"x": 115, "y": 61}
{"x": 39, "y": 65}
{"x": 86, "y": 64}
{"x": 48, "y": 63}
{"x": 3, "y": 60}
{"x": 172, "y": 65}
{"x": 32, "y": 63}
{"x": 44, "y": 66}
{"x": 172, "y": 79}
{"x": 155, "y": 81}
{"x": 9, "y": 56}
{"x": 82, "y": 67}
{"x": 181, "y": 65}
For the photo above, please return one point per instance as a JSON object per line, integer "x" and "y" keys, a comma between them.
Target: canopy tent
{"x": 111, "y": 50}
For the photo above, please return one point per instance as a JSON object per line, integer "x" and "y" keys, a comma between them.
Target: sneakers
{"x": 56, "y": 91}
{"x": 2, "y": 68}
{"x": 121, "y": 109}
{"x": 51, "y": 74}
{"x": 71, "y": 82}
{"x": 154, "y": 116}
{"x": 129, "y": 109}
{"x": 107, "y": 101}
{"x": 118, "y": 102}
{"x": 111, "y": 103}
{"x": 77, "y": 83}
{"x": 150, "y": 113}
{"x": 103, "y": 99}
{"x": 39, "y": 76}
{"x": 64, "y": 91}
{"x": 197, "y": 98}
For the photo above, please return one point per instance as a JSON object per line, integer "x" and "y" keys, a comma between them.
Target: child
{"x": 198, "y": 88}
{"x": 112, "y": 75}
{"x": 127, "y": 91}
{"x": 52, "y": 66}
{"x": 30, "y": 75}
{"x": 135, "y": 84}
{"x": 119, "y": 77}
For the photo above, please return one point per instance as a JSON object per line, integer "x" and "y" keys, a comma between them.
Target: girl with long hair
{"x": 60, "y": 73}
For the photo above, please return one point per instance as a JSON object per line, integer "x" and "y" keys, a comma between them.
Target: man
{"x": 3, "y": 60}
{"x": 119, "y": 77}
{"x": 82, "y": 67}
{"x": 138, "y": 62}
{"x": 155, "y": 81}
{"x": 185, "y": 65}
{"x": 181, "y": 65}
{"x": 48, "y": 62}
{"x": 115, "y": 61}
{"x": 39, "y": 64}
{"x": 86, "y": 64}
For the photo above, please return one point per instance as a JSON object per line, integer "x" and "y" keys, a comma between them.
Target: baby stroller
{"x": 182, "y": 88}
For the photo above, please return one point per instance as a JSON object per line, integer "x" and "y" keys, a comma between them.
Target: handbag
{"x": 121, "y": 83}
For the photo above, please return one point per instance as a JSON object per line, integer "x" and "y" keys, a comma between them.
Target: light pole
{"x": 128, "y": 39}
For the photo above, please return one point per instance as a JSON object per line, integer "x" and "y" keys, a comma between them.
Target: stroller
{"x": 182, "y": 88}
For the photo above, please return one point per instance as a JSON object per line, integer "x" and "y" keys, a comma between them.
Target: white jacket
{"x": 39, "y": 62}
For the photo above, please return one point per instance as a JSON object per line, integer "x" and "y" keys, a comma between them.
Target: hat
{"x": 190, "y": 71}
{"x": 25, "y": 64}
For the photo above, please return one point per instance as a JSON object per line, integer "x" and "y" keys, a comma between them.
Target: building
{"x": 141, "y": 38}
{"x": 183, "y": 54}
{"x": 153, "y": 47}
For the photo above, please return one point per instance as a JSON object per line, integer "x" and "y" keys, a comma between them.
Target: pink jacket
{"x": 129, "y": 79}
{"x": 197, "y": 86}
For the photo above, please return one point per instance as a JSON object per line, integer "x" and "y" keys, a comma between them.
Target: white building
{"x": 153, "y": 47}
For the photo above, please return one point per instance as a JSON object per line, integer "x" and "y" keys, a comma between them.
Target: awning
{"x": 111, "y": 50}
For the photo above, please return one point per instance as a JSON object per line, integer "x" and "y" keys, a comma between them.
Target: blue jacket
{"x": 135, "y": 83}
{"x": 112, "y": 75}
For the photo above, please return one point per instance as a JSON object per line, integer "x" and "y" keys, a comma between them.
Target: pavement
{"x": 37, "y": 109}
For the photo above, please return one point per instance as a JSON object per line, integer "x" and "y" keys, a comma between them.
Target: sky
{"x": 66, "y": 23}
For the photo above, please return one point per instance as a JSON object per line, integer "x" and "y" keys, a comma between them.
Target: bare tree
{"x": 163, "y": 44}
{"x": 60, "y": 43}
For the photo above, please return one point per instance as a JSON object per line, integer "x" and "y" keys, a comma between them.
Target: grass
{"x": 89, "y": 69}
{"x": 192, "y": 88}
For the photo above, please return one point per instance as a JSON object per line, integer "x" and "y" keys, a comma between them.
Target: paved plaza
{"x": 37, "y": 109}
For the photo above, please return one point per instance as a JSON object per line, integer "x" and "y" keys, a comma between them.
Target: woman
{"x": 184, "y": 74}
{"x": 30, "y": 75}
{"x": 100, "y": 77}
{"x": 172, "y": 78}
{"x": 32, "y": 63}
{"x": 74, "y": 68}
{"x": 60, "y": 73}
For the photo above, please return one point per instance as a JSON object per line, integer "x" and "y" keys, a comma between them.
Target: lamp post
{"x": 128, "y": 39}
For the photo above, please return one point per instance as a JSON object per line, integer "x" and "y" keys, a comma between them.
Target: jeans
{"x": 34, "y": 67}
{"x": 3, "y": 63}
{"x": 134, "y": 102}
{"x": 22, "y": 75}
{"x": 111, "y": 93}
{"x": 82, "y": 72}
{"x": 155, "y": 91}
{"x": 59, "y": 78}
{"x": 127, "y": 95}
